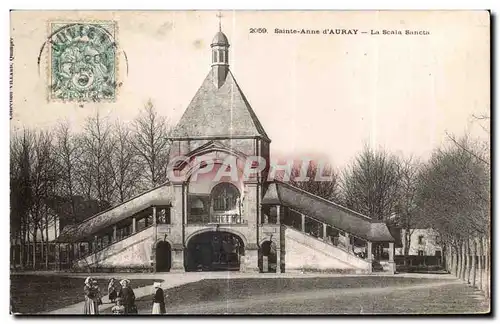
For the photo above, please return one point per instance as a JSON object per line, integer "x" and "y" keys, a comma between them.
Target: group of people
{"x": 122, "y": 295}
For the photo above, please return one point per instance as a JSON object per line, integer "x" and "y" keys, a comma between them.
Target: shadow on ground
{"x": 31, "y": 294}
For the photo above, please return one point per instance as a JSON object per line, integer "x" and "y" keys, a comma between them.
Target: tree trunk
{"x": 474, "y": 253}
{"x": 451, "y": 259}
{"x": 464, "y": 261}
{"x": 454, "y": 260}
{"x": 487, "y": 268}
{"x": 446, "y": 263}
{"x": 34, "y": 247}
{"x": 29, "y": 258}
{"x": 21, "y": 250}
{"x": 469, "y": 261}
{"x": 46, "y": 240}
{"x": 42, "y": 246}
{"x": 459, "y": 261}
{"x": 407, "y": 246}
{"x": 480, "y": 263}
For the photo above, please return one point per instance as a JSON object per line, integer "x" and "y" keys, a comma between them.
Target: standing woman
{"x": 112, "y": 291}
{"x": 128, "y": 297}
{"x": 158, "y": 300}
{"x": 91, "y": 306}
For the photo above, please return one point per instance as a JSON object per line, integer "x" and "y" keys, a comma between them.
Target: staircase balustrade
{"x": 113, "y": 242}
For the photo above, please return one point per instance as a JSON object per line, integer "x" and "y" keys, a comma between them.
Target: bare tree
{"x": 152, "y": 143}
{"x": 454, "y": 196}
{"x": 406, "y": 214}
{"x": 94, "y": 165}
{"x": 125, "y": 164}
{"x": 21, "y": 148}
{"x": 43, "y": 175}
{"x": 328, "y": 189}
{"x": 370, "y": 184}
{"x": 67, "y": 153}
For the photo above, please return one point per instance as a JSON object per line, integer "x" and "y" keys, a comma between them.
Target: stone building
{"x": 206, "y": 218}
{"x": 423, "y": 242}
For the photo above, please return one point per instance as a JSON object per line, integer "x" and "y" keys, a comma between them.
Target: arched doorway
{"x": 214, "y": 251}
{"x": 268, "y": 257}
{"x": 163, "y": 256}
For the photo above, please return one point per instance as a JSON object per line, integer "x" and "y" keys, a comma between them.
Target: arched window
{"x": 197, "y": 207}
{"x": 221, "y": 58}
{"x": 214, "y": 56}
{"x": 225, "y": 197}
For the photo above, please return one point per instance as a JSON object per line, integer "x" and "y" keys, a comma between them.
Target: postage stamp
{"x": 82, "y": 61}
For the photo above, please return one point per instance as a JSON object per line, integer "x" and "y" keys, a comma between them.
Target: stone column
{"x": 177, "y": 259}
{"x": 392, "y": 266}
{"x": 251, "y": 260}
{"x": 324, "y": 231}
{"x": 114, "y": 233}
{"x": 155, "y": 236}
{"x": 133, "y": 225}
{"x": 278, "y": 214}
{"x": 278, "y": 261}
{"x": 347, "y": 241}
{"x": 185, "y": 204}
{"x": 369, "y": 257}
{"x": 303, "y": 222}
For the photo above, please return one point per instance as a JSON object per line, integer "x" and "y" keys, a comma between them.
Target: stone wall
{"x": 306, "y": 252}
{"x": 131, "y": 252}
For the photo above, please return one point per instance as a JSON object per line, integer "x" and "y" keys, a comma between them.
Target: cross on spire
{"x": 219, "y": 15}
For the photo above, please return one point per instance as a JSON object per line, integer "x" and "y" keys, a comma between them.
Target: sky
{"x": 320, "y": 95}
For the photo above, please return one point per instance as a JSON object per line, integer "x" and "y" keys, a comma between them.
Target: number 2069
{"x": 258, "y": 30}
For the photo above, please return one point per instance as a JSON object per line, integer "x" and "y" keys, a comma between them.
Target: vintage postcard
{"x": 250, "y": 162}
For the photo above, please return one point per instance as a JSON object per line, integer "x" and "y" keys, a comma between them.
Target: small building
{"x": 423, "y": 242}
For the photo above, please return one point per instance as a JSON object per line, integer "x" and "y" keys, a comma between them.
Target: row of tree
{"x": 449, "y": 193}
{"x": 75, "y": 175}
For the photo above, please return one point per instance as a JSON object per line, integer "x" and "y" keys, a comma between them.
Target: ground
{"x": 254, "y": 293}
{"x": 34, "y": 293}
{"x": 340, "y": 295}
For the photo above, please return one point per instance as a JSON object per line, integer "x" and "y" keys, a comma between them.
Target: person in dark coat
{"x": 112, "y": 291}
{"x": 128, "y": 297}
{"x": 158, "y": 300}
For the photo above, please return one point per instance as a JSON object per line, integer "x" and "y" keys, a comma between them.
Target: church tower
{"x": 220, "y": 58}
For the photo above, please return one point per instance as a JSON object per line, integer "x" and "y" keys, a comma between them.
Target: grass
{"x": 312, "y": 296}
{"x": 34, "y": 294}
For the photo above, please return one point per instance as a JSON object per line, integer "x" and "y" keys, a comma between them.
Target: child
{"x": 118, "y": 309}
{"x": 95, "y": 285}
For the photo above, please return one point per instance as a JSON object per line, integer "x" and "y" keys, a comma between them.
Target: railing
{"x": 216, "y": 219}
{"x": 226, "y": 219}
{"x": 111, "y": 243}
{"x": 326, "y": 241}
{"x": 332, "y": 236}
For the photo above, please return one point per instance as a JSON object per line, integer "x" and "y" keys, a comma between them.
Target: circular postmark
{"x": 82, "y": 61}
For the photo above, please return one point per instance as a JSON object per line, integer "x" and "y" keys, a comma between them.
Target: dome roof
{"x": 220, "y": 39}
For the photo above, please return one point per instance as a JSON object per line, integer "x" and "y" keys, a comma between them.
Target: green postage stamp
{"x": 83, "y": 62}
